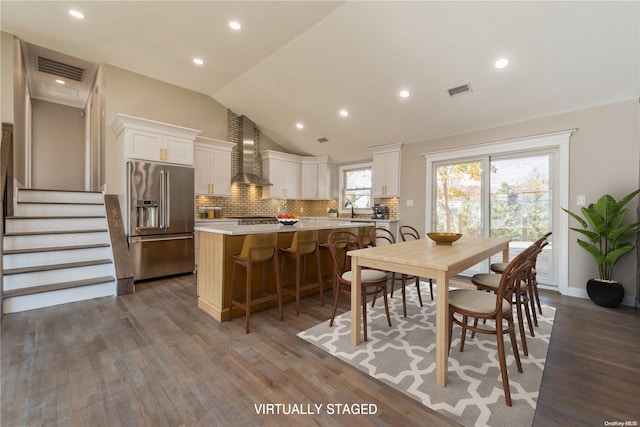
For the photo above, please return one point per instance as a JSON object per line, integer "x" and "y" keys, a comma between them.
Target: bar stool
{"x": 304, "y": 243}
{"x": 256, "y": 249}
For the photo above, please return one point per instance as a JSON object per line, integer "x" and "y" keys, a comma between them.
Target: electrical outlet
{"x": 409, "y": 203}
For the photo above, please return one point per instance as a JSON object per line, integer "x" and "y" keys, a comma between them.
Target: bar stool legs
{"x": 256, "y": 249}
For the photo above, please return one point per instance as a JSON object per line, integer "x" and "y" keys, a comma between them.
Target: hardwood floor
{"x": 152, "y": 358}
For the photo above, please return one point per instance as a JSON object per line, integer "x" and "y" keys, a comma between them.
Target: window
{"x": 355, "y": 186}
{"x": 511, "y": 189}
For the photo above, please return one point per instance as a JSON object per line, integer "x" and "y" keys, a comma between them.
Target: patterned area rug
{"x": 403, "y": 357}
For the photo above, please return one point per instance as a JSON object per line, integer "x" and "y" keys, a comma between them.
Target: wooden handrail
{"x": 6, "y": 170}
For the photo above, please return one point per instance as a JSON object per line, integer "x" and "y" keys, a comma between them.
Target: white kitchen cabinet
{"x": 283, "y": 170}
{"x": 155, "y": 141}
{"x": 386, "y": 170}
{"x": 316, "y": 178}
{"x": 212, "y": 163}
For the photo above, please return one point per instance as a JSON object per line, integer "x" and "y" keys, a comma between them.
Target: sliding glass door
{"x": 510, "y": 196}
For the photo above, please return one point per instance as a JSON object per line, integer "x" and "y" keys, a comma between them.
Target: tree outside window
{"x": 357, "y": 187}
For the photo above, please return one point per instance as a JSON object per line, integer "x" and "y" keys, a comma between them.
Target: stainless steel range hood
{"x": 247, "y": 174}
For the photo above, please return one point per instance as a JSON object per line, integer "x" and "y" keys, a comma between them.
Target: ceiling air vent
{"x": 323, "y": 139}
{"x": 60, "y": 69}
{"x": 459, "y": 90}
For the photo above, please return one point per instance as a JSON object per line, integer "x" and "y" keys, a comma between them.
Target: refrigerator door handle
{"x": 163, "y": 205}
{"x": 168, "y": 199}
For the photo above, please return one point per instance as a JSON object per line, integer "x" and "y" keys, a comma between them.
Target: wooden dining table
{"x": 424, "y": 258}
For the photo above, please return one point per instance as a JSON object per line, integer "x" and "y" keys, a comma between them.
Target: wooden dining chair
{"x": 408, "y": 233}
{"x": 491, "y": 282}
{"x": 498, "y": 267}
{"x": 372, "y": 281}
{"x": 383, "y": 236}
{"x": 492, "y": 306}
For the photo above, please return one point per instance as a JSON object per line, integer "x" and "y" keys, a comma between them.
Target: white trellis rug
{"x": 403, "y": 357}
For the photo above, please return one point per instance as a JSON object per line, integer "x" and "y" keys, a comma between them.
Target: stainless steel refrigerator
{"x": 161, "y": 217}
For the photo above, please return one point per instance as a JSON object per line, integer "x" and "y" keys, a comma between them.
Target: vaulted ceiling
{"x": 302, "y": 62}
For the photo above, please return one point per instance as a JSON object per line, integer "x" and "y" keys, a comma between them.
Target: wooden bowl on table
{"x": 444, "y": 238}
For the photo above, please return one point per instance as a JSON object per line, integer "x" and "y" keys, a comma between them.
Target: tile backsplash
{"x": 247, "y": 200}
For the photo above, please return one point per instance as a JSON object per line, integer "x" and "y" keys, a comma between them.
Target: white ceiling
{"x": 303, "y": 61}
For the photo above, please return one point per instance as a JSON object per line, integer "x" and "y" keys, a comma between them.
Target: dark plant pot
{"x": 605, "y": 294}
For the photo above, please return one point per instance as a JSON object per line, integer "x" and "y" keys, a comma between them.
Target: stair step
{"x": 31, "y": 224}
{"x": 55, "y": 255}
{"x": 36, "y": 233}
{"x": 57, "y": 286}
{"x": 39, "y": 218}
{"x": 59, "y": 203}
{"x": 40, "y": 195}
{"x": 40, "y": 268}
{"x": 38, "y": 240}
{"x": 62, "y": 296}
{"x": 55, "y": 248}
{"x": 35, "y": 209}
{"x": 18, "y": 278}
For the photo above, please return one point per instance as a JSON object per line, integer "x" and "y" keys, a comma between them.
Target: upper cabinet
{"x": 316, "y": 178}
{"x": 212, "y": 163}
{"x": 386, "y": 170}
{"x": 155, "y": 141}
{"x": 283, "y": 170}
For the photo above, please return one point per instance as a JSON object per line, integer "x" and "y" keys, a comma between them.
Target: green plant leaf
{"x": 614, "y": 256}
{"x": 576, "y": 217}
{"x": 597, "y": 255}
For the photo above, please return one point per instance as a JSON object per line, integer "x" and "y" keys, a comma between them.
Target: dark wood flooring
{"x": 153, "y": 359}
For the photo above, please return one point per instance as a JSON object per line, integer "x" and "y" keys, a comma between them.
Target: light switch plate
{"x": 581, "y": 200}
{"x": 409, "y": 203}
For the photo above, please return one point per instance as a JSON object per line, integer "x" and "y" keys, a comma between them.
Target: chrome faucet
{"x": 353, "y": 215}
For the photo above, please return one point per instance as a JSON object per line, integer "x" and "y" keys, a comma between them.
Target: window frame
{"x": 558, "y": 140}
{"x": 342, "y": 170}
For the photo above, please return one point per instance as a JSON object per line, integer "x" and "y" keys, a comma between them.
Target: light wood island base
{"x": 216, "y": 244}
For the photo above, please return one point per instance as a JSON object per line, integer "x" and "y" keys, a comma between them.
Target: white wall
{"x": 140, "y": 96}
{"x": 58, "y": 146}
{"x": 6, "y": 77}
{"x": 604, "y": 155}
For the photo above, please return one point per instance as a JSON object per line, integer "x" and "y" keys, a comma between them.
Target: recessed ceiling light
{"x": 76, "y": 14}
{"x": 300, "y": 125}
{"x": 501, "y": 63}
{"x": 344, "y": 113}
{"x": 235, "y": 25}
{"x": 60, "y": 81}
{"x": 405, "y": 93}
{"x": 198, "y": 61}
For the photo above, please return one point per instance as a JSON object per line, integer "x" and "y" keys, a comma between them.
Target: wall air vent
{"x": 460, "y": 90}
{"x": 60, "y": 69}
{"x": 323, "y": 139}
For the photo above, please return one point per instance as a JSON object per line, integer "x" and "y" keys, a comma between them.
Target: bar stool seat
{"x": 305, "y": 242}
{"x": 256, "y": 249}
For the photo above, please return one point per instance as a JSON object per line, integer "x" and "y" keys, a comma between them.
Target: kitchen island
{"x": 218, "y": 242}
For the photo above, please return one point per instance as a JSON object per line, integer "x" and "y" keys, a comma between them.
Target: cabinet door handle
{"x": 166, "y": 153}
{"x": 211, "y": 188}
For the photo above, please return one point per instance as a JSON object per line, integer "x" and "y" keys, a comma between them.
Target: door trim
{"x": 558, "y": 140}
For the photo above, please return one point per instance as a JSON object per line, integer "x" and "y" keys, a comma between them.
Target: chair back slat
{"x": 407, "y": 232}
{"x": 341, "y": 242}
{"x": 304, "y": 242}
{"x": 261, "y": 247}
{"x": 379, "y": 233}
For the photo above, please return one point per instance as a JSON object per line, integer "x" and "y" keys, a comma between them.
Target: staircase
{"x": 56, "y": 250}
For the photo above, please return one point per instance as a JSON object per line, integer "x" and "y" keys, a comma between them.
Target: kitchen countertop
{"x": 340, "y": 218}
{"x": 235, "y": 230}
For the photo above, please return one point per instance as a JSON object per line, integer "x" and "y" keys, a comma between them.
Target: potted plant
{"x": 607, "y": 242}
{"x": 332, "y": 212}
